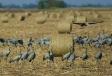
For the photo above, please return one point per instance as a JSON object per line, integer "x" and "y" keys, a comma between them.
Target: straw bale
{"x": 62, "y": 12}
{"x": 110, "y": 16}
{"x": 47, "y": 15}
{"x": 91, "y": 12}
{"x": 92, "y": 18}
{"x": 80, "y": 14}
{"x": 76, "y": 12}
{"x": 80, "y": 19}
{"x": 64, "y": 27}
{"x": 59, "y": 15}
{"x": 6, "y": 14}
{"x": 71, "y": 13}
{"x": 53, "y": 15}
{"x": 27, "y": 13}
{"x": 21, "y": 18}
{"x": 70, "y": 18}
{"x": 61, "y": 44}
{"x": 41, "y": 19}
{"x": 11, "y": 15}
{"x": 46, "y": 12}
{"x": 4, "y": 19}
{"x": 98, "y": 15}
{"x": 42, "y": 12}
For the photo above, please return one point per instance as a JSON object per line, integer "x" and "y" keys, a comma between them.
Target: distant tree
{"x": 13, "y": 6}
{"x": 51, "y": 3}
{"x": 41, "y": 4}
{"x": 61, "y": 4}
{"x": 0, "y": 5}
{"x": 31, "y": 5}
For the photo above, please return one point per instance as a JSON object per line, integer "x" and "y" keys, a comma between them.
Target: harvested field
{"x": 29, "y": 27}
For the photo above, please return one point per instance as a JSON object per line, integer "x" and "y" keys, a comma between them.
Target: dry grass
{"x": 30, "y": 27}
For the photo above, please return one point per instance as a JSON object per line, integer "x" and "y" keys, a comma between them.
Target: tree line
{"x": 46, "y": 4}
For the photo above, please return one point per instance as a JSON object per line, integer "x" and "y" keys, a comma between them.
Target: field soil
{"x": 29, "y": 27}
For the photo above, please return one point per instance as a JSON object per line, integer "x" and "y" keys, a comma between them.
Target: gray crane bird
{"x": 95, "y": 39}
{"x": 97, "y": 45}
{"x": 85, "y": 56}
{"x": 30, "y": 39}
{"x": 98, "y": 56}
{"x": 3, "y": 40}
{"x": 32, "y": 56}
{"x": 29, "y": 44}
{"x": 15, "y": 58}
{"x": 13, "y": 41}
{"x": 49, "y": 56}
{"x": 25, "y": 55}
{"x": 20, "y": 41}
{"x": 5, "y": 54}
{"x": 72, "y": 58}
{"x": 105, "y": 36}
{"x": 86, "y": 42}
{"x": 67, "y": 55}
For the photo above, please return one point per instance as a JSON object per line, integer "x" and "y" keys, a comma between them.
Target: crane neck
{"x": 100, "y": 49}
{"x": 86, "y": 51}
{"x": 88, "y": 35}
{"x": 103, "y": 32}
{"x": 21, "y": 36}
{"x": 28, "y": 49}
{"x": 9, "y": 48}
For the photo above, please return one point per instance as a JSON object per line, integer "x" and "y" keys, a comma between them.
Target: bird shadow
{"x": 65, "y": 68}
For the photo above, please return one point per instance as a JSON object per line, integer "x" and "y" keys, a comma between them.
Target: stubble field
{"x": 29, "y": 27}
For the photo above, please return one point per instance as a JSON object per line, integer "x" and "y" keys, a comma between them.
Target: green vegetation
{"x": 46, "y": 4}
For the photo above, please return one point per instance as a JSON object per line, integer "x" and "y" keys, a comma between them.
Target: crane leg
{"x": 3, "y": 44}
{"x": 111, "y": 48}
{"x": 97, "y": 64}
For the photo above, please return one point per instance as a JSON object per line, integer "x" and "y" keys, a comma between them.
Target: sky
{"x": 75, "y": 2}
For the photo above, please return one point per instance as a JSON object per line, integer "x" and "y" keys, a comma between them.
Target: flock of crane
{"x": 98, "y": 42}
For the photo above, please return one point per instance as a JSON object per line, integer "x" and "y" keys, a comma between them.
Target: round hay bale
{"x": 80, "y": 14}
{"x": 11, "y": 15}
{"x": 41, "y": 19}
{"x": 46, "y": 12}
{"x": 110, "y": 16}
{"x": 76, "y": 12}
{"x": 53, "y": 15}
{"x": 91, "y": 12}
{"x": 42, "y": 12}
{"x": 21, "y": 18}
{"x": 91, "y": 18}
{"x": 64, "y": 27}
{"x": 6, "y": 14}
{"x": 62, "y": 12}
{"x": 80, "y": 19}
{"x": 98, "y": 16}
{"x": 59, "y": 15}
{"x": 61, "y": 44}
{"x": 70, "y": 18}
{"x": 70, "y": 13}
{"x": 27, "y": 13}
{"x": 47, "y": 15}
{"x": 4, "y": 19}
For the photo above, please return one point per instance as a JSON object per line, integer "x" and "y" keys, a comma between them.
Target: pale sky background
{"x": 76, "y": 2}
